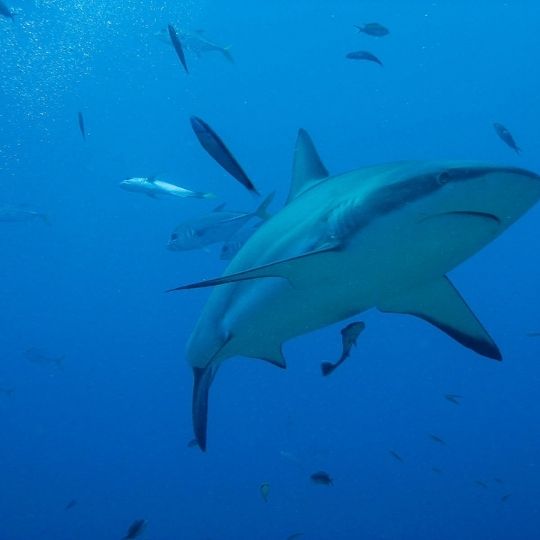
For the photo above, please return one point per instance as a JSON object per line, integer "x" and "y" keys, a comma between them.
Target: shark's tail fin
{"x": 226, "y": 51}
{"x": 202, "y": 380}
{"x": 262, "y": 210}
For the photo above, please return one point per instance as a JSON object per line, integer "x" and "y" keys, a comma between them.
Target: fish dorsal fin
{"x": 308, "y": 169}
{"x": 440, "y": 304}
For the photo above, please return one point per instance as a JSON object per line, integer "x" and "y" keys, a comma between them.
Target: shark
{"x": 383, "y": 237}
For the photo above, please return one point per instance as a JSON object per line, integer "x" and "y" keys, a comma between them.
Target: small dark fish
{"x": 533, "y": 334}
{"x": 349, "y": 335}
{"x": 70, "y": 504}
{"x": 506, "y": 137}
{"x": 7, "y": 391}
{"x": 213, "y": 144}
{"x": 436, "y": 470}
{"x": 193, "y": 443}
{"x": 364, "y": 55}
{"x": 135, "y": 529}
{"x": 175, "y": 40}
{"x": 373, "y": 29}
{"x": 396, "y": 456}
{"x": 41, "y": 357}
{"x": 453, "y": 398}
{"x": 5, "y": 11}
{"x": 81, "y": 125}
{"x": 436, "y": 439}
{"x": 481, "y": 484}
{"x": 295, "y": 536}
{"x": 322, "y": 478}
{"x": 264, "y": 488}
{"x": 504, "y": 498}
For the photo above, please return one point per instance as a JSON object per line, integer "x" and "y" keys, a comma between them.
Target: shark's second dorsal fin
{"x": 308, "y": 169}
{"x": 440, "y": 304}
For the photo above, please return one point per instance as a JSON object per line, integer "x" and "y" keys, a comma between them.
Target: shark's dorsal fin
{"x": 440, "y": 304}
{"x": 308, "y": 169}
{"x": 292, "y": 269}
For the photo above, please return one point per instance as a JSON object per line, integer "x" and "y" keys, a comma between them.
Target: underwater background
{"x": 108, "y": 428}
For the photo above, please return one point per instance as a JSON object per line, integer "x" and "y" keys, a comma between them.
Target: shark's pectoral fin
{"x": 293, "y": 269}
{"x": 440, "y": 304}
{"x": 202, "y": 380}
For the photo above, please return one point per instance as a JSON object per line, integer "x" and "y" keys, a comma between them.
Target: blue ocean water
{"x": 110, "y": 428}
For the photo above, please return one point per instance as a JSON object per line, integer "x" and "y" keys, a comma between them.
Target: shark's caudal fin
{"x": 440, "y": 304}
{"x": 202, "y": 380}
{"x": 308, "y": 169}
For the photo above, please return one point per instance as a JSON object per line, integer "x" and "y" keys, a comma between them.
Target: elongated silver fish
{"x": 160, "y": 189}
{"x": 213, "y": 228}
{"x": 198, "y": 44}
{"x": 16, "y": 214}
{"x": 364, "y": 55}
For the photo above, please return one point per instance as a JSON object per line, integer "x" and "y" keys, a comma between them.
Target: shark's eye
{"x": 443, "y": 177}
{"x": 174, "y": 236}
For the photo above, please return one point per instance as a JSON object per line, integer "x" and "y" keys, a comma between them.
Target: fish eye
{"x": 174, "y": 236}
{"x": 443, "y": 177}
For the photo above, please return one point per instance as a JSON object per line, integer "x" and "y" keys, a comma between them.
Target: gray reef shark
{"x": 381, "y": 237}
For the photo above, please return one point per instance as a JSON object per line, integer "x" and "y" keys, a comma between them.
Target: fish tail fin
{"x": 226, "y": 51}
{"x": 262, "y": 210}
{"x": 327, "y": 368}
{"x": 202, "y": 380}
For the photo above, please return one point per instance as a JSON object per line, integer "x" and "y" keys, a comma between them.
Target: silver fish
{"x": 160, "y": 189}
{"x": 39, "y": 356}
{"x": 213, "y": 228}
{"x": 19, "y": 213}
{"x": 373, "y": 29}
{"x": 233, "y": 245}
{"x": 197, "y": 43}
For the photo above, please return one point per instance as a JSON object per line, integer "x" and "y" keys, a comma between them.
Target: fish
{"x": 349, "y": 335}
{"x": 322, "y": 478}
{"x": 363, "y": 55}
{"x": 177, "y": 46}
{"x": 41, "y": 357}
{"x": 436, "y": 439}
{"x": 504, "y": 498}
{"x": 264, "y": 488}
{"x": 135, "y": 529}
{"x": 70, "y": 504}
{"x": 81, "y": 124}
{"x": 232, "y": 246}
{"x": 20, "y": 213}
{"x": 5, "y": 11}
{"x": 7, "y": 391}
{"x": 382, "y": 237}
{"x": 197, "y": 43}
{"x": 213, "y": 228}
{"x": 217, "y": 150}
{"x": 481, "y": 484}
{"x": 436, "y": 470}
{"x": 295, "y": 536}
{"x": 396, "y": 456}
{"x": 373, "y": 29}
{"x": 533, "y": 334}
{"x": 154, "y": 188}
{"x": 453, "y": 398}
{"x": 506, "y": 137}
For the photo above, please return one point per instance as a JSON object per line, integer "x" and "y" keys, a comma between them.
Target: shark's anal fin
{"x": 440, "y": 304}
{"x": 308, "y": 169}
{"x": 292, "y": 269}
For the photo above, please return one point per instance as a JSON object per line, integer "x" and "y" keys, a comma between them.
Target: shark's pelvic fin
{"x": 290, "y": 269}
{"x": 308, "y": 169}
{"x": 440, "y": 304}
{"x": 202, "y": 380}
{"x": 275, "y": 358}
